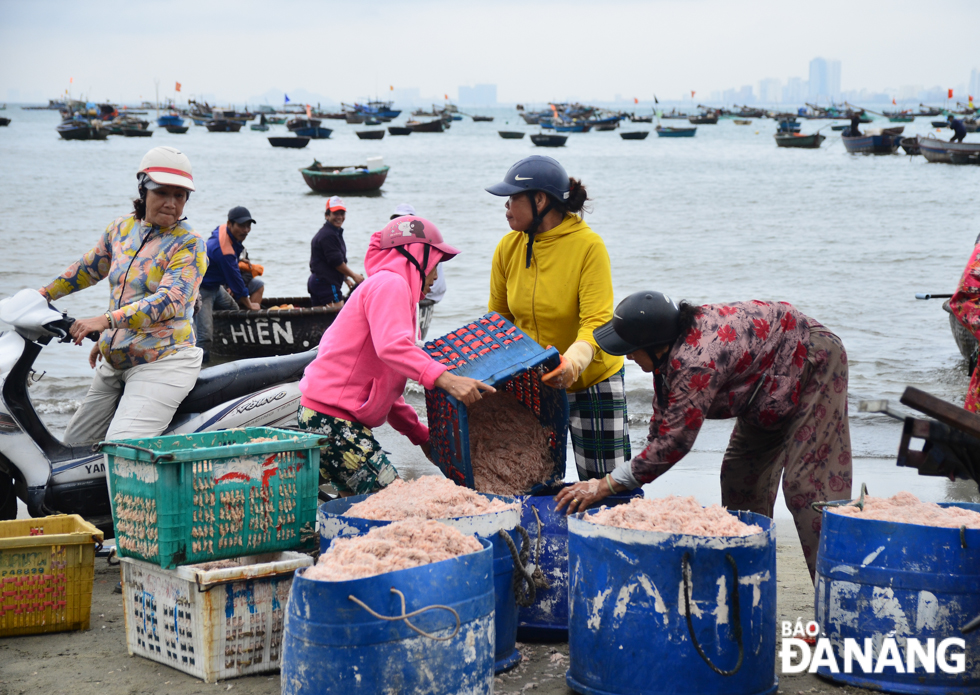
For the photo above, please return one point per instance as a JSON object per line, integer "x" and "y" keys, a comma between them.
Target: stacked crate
{"x": 207, "y": 527}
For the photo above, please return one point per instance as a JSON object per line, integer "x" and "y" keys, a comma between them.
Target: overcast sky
{"x": 533, "y": 51}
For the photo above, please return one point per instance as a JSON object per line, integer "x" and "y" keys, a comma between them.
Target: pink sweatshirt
{"x": 369, "y": 353}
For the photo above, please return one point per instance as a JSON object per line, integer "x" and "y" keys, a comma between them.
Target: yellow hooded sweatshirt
{"x": 565, "y": 294}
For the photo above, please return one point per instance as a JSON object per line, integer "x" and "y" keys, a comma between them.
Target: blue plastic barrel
{"x": 875, "y": 578}
{"x": 333, "y": 523}
{"x": 546, "y": 620}
{"x": 333, "y": 646}
{"x": 665, "y": 613}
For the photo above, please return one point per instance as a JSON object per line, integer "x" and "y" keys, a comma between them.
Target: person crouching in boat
{"x": 779, "y": 373}
{"x": 365, "y": 359}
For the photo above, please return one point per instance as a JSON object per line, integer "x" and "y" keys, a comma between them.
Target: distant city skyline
{"x": 340, "y": 51}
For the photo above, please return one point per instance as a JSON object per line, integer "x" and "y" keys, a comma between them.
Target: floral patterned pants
{"x": 811, "y": 451}
{"x": 353, "y": 461}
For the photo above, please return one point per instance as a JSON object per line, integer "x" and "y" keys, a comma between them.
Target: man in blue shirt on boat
{"x": 223, "y": 287}
{"x": 329, "y": 271}
{"x": 959, "y": 130}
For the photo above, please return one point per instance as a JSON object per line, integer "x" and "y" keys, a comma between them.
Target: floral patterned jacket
{"x": 743, "y": 359}
{"x": 154, "y": 276}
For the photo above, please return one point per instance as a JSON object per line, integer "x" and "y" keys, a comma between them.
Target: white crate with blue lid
{"x": 498, "y": 353}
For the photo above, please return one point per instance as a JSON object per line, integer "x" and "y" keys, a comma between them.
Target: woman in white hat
{"x": 154, "y": 262}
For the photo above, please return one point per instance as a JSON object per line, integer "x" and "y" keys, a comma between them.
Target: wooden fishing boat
{"x": 399, "y": 130}
{"x": 936, "y": 150}
{"x": 295, "y": 142}
{"x": 911, "y": 146}
{"x": 573, "y": 128}
{"x": 355, "y": 118}
{"x": 641, "y": 119}
{"x": 839, "y": 127}
{"x": 370, "y": 134}
{"x": 224, "y": 126}
{"x": 177, "y": 129}
{"x": 789, "y": 126}
{"x": 135, "y": 133}
{"x": 741, "y": 121}
{"x": 343, "y": 179}
{"x": 703, "y": 119}
{"x": 261, "y": 126}
{"x": 81, "y": 129}
{"x": 964, "y": 158}
{"x": 4, "y": 121}
{"x": 966, "y": 342}
{"x": 482, "y": 119}
{"x": 905, "y": 118}
{"x": 809, "y": 142}
{"x": 873, "y": 141}
{"x": 294, "y": 124}
{"x": 668, "y": 131}
{"x": 275, "y": 120}
{"x": 940, "y": 124}
{"x": 314, "y": 132}
{"x": 268, "y": 332}
{"x": 436, "y": 126}
{"x": 929, "y": 110}
{"x": 606, "y": 127}
{"x": 510, "y": 134}
{"x": 635, "y": 135}
{"x": 548, "y": 140}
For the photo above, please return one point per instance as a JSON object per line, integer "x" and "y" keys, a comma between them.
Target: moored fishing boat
{"x": 399, "y": 130}
{"x": 223, "y": 126}
{"x": 178, "y": 129}
{"x": 269, "y": 332}
{"x": 370, "y": 134}
{"x": 4, "y": 121}
{"x": 79, "y": 128}
{"x": 510, "y": 134}
{"x": 343, "y": 179}
{"x": 436, "y": 126}
{"x": 911, "y": 146}
{"x": 668, "y": 131}
{"x": 635, "y": 135}
{"x": 293, "y": 142}
{"x": 874, "y": 141}
{"x": 810, "y": 142}
{"x": 313, "y": 132}
{"x": 703, "y": 119}
{"x": 548, "y": 140}
{"x": 295, "y": 124}
{"x": 936, "y": 150}
{"x": 261, "y": 126}
{"x": 741, "y": 121}
{"x": 482, "y": 119}
{"x": 172, "y": 118}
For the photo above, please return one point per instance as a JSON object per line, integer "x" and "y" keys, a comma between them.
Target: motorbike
{"x": 51, "y": 477}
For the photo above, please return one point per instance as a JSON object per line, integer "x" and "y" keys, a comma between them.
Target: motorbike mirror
{"x": 29, "y": 312}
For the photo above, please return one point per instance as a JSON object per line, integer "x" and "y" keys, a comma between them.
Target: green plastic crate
{"x": 192, "y": 498}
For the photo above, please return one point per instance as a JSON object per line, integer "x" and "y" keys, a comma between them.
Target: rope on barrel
{"x": 405, "y": 616}
{"x": 524, "y": 588}
{"x": 736, "y": 619}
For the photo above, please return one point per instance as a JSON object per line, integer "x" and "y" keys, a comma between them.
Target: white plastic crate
{"x": 215, "y": 620}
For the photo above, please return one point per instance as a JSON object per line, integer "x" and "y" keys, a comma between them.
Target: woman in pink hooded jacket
{"x": 363, "y": 362}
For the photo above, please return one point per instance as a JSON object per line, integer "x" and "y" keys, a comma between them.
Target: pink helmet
{"x": 415, "y": 230}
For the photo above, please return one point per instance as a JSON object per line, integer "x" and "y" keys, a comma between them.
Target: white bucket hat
{"x": 167, "y": 166}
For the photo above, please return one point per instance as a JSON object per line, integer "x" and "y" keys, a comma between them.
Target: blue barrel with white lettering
{"x": 333, "y": 524}
{"x": 657, "y": 613}
{"x": 546, "y": 620}
{"x": 879, "y": 580}
{"x": 333, "y": 645}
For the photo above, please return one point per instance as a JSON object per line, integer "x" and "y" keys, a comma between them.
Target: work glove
{"x": 576, "y": 358}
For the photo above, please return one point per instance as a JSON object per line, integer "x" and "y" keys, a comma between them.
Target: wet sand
{"x": 96, "y": 662}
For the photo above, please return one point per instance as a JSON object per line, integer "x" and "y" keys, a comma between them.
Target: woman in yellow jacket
{"x": 551, "y": 277}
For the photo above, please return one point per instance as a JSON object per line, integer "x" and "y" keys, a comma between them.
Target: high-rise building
{"x": 770, "y": 90}
{"x": 833, "y": 80}
{"x": 479, "y": 95}
{"x": 817, "y": 87}
{"x": 795, "y": 91}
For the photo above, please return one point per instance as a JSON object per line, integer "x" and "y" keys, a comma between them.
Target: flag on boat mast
{"x": 177, "y": 87}
{"x": 391, "y": 88}
{"x": 692, "y": 93}
{"x": 655, "y": 99}
{"x": 635, "y": 100}
{"x": 950, "y": 94}
{"x": 285, "y": 98}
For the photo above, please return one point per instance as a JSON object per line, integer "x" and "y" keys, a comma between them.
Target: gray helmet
{"x": 534, "y": 173}
{"x": 642, "y": 320}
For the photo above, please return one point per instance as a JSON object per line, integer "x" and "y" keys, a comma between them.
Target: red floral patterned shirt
{"x": 743, "y": 359}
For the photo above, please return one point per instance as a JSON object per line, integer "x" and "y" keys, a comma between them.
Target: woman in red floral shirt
{"x": 965, "y": 306}
{"x": 781, "y": 374}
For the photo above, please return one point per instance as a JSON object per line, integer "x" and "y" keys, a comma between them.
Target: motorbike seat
{"x": 216, "y": 385}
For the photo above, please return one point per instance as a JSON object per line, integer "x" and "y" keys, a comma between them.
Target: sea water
{"x": 724, "y": 216}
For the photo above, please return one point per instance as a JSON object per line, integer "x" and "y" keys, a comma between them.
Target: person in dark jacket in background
{"x": 328, "y": 259}
{"x": 959, "y": 130}
{"x": 854, "y": 130}
{"x": 224, "y": 247}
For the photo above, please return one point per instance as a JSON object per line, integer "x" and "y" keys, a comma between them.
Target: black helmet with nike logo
{"x": 534, "y": 173}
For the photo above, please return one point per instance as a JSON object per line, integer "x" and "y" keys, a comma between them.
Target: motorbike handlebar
{"x": 63, "y": 328}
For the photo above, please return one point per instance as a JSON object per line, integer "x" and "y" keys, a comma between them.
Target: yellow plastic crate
{"x": 47, "y": 567}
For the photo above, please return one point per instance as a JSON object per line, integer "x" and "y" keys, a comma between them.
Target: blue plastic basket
{"x": 500, "y": 354}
